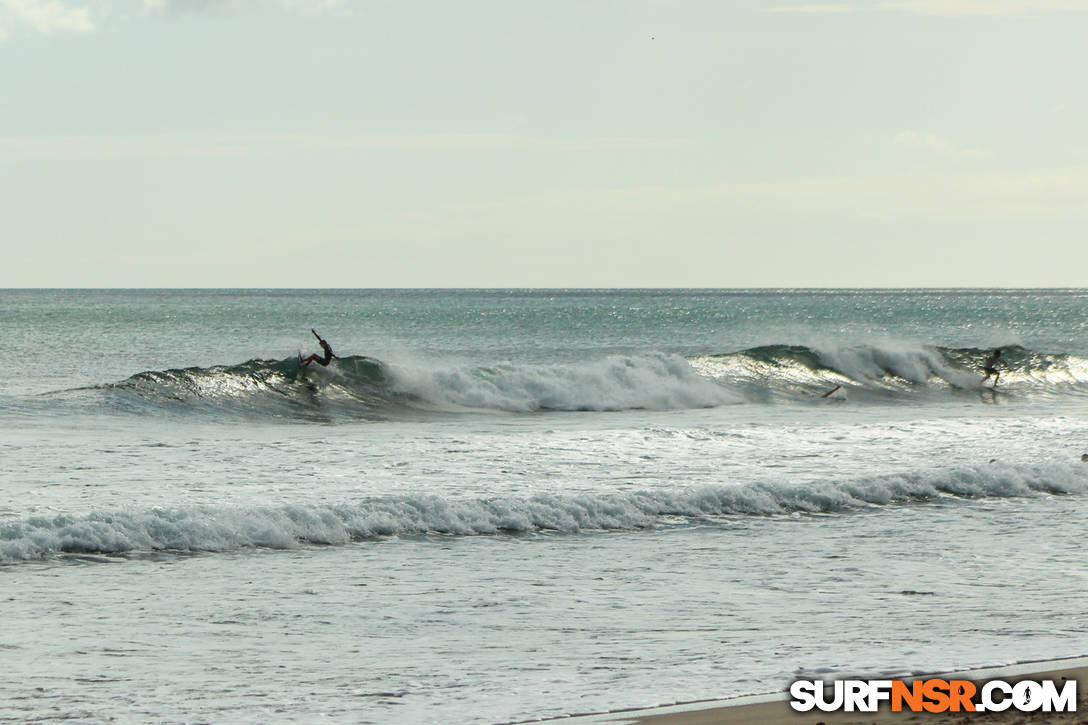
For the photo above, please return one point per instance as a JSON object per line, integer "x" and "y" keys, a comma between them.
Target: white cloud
{"x": 943, "y": 8}
{"x": 186, "y": 7}
{"x": 824, "y": 231}
{"x": 312, "y": 3}
{"x": 995, "y": 8}
{"x": 699, "y": 215}
{"x": 939, "y": 146}
{"x": 89, "y": 148}
{"x": 48, "y": 15}
{"x": 192, "y": 7}
{"x": 817, "y": 9}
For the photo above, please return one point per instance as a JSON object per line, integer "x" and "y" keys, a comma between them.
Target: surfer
{"x": 990, "y": 367}
{"x": 323, "y": 361}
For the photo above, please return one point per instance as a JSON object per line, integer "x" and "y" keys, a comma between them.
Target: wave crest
{"x": 212, "y": 529}
{"x": 366, "y": 387}
{"x": 784, "y": 371}
{"x": 363, "y": 387}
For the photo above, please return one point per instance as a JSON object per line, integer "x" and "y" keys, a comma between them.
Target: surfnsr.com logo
{"x": 934, "y": 695}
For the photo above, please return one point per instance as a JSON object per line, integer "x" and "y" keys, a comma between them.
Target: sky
{"x": 543, "y": 143}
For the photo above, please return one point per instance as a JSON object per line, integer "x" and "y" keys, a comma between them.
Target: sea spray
{"x": 652, "y": 381}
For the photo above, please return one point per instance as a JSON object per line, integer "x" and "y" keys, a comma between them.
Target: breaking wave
{"x": 889, "y": 370}
{"x": 364, "y": 387}
{"x": 264, "y": 388}
{"x": 228, "y": 528}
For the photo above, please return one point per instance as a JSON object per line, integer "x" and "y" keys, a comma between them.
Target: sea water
{"x": 501, "y": 505}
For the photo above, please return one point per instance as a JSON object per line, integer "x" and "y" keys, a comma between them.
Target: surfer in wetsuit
{"x": 323, "y": 361}
{"x": 990, "y": 367}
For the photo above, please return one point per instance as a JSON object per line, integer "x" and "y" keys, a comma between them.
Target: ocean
{"x": 505, "y": 505}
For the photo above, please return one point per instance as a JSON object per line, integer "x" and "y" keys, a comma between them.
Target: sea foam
{"x": 652, "y": 381}
{"x": 225, "y": 528}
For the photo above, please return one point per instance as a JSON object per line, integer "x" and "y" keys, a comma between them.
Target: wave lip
{"x": 224, "y": 528}
{"x": 260, "y": 388}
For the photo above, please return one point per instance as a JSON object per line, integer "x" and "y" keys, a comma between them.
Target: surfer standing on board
{"x": 323, "y": 361}
{"x": 990, "y": 367}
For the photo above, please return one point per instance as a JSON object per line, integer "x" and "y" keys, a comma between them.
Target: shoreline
{"x": 774, "y": 708}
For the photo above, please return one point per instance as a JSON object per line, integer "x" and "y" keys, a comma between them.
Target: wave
{"x": 655, "y": 381}
{"x": 275, "y": 388}
{"x": 226, "y": 528}
{"x": 888, "y": 370}
{"x": 365, "y": 387}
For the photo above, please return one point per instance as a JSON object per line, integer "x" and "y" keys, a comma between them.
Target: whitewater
{"x": 503, "y": 505}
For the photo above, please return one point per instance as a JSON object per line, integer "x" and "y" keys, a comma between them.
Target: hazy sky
{"x": 423, "y": 143}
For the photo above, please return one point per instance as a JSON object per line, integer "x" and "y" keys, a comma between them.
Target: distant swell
{"x": 226, "y": 528}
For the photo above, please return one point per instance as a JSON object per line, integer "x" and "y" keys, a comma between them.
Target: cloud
{"x": 993, "y": 8}
{"x": 91, "y": 148}
{"x": 938, "y": 145}
{"x": 823, "y": 230}
{"x": 195, "y": 7}
{"x": 816, "y": 9}
{"x": 48, "y": 15}
{"x": 547, "y": 221}
{"x": 942, "y": 8}
{"x": 186, "y": 7}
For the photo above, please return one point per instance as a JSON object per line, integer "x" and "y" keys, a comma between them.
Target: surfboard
{"x": 980, "y": 388}
{"x": 837, "y": 393}
{"x": 991, "y": 392}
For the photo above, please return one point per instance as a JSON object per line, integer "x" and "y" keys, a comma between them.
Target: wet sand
{"x": 774, "y": 709}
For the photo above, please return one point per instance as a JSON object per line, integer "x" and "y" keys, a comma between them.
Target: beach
{"x": 775, "y": 710}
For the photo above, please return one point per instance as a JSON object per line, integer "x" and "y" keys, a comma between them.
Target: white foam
{"x": 909, "y": 361}
{"x": 652, "y": 381}
{"x": 208, "y": 529}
